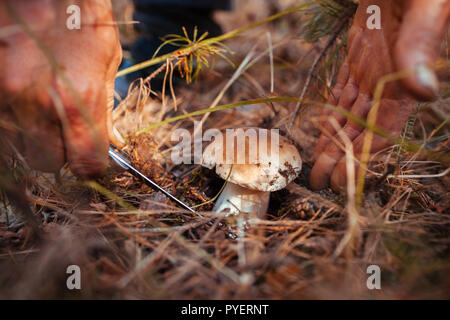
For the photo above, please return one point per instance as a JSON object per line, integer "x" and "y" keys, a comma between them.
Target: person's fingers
{"x": 110, "y": 80}
{"x": 43, "y": 147}
{"x": 347, "y": 98}
{"x": 85, "y": 127}
{"x": 327, "y": 160}
{"x": 342, "y": 79}
{"x": 34, "y": 127}
{"x": 391, "y": 118}
{"x": 339, "y": 176}
{"x": 418, "y": 45}
{"x": 67, "y": 113}
{"x": 333, "y": 99}
{"x": 355, "y": 44}
{"x": 109, "y": 119}
{"x": 84, "y": 130}
{"x": 40, "y": 146}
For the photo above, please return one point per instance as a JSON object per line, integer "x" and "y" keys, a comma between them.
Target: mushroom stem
{"x": 236, "y": 199}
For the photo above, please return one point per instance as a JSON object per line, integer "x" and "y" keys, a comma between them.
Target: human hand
{"x": 55, "y": 116}
{"x": 410, "y": 36}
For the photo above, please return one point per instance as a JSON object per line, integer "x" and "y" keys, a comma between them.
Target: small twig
{"x": 353, "y": 217}
{"x": 163, "y": 92}
{"x": 172, "y": 91}
{"x": 418, "y": 176}
{"x": 269, "y": 41}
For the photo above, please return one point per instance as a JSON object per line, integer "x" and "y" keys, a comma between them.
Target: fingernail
{"x": 427, "y": 78}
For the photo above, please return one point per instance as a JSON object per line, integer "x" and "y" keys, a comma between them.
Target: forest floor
{"x": 132, "y": 243}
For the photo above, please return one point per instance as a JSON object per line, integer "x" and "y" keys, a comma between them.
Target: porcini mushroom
{"x": 252, "y": 175}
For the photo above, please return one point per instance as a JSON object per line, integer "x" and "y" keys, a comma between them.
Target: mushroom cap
{"x": 254, "y": 167}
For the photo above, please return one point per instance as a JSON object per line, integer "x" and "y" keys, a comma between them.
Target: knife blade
{"x": 118, "y": 156}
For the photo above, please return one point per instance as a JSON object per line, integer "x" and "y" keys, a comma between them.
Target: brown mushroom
{"x": 272, "y": 167}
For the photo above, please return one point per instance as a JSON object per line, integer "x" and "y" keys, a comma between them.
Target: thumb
{"x": 84, "y": 128}
{"x": 418, "y": 45}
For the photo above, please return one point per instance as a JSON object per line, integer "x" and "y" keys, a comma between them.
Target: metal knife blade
{"x": 117, "y": 155}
